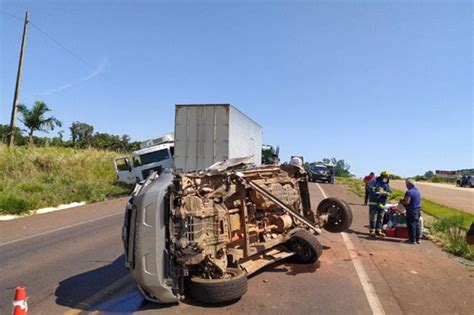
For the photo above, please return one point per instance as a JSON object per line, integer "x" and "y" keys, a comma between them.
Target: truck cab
{"x": 154, "y": 155}
{"x": 270, "y": 155}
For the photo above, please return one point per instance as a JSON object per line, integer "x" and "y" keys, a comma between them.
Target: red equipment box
{"x": 401, "y": 232}
{"x": 390, "y": 232}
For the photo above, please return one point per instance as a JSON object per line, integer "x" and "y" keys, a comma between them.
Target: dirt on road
{"x": 447, "y": 195}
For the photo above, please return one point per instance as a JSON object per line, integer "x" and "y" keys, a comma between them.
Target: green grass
{"x": 452, "y": 235}
{"x": 439, "y": 211}
{"x": 434, "y": 209}
{"x": 353, "y": 184}
{"x": 32, "y": 178}
{"x": 450, "y": 226}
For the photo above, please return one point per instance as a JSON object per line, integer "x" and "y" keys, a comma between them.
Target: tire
{"x": 306, "y": 246}
{"x": 213, "y": 291}
{"x": 339, "y": 214}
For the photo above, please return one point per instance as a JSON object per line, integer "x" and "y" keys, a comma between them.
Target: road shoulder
{"x": 421, "y": 278}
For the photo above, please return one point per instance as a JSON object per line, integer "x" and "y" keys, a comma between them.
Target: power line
{"x": 62, "y": 46}
{"x": 51, "y": 38}
{"x": 11, "y": 15}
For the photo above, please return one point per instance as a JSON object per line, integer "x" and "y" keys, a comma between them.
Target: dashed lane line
{"x": 367, "y": 286}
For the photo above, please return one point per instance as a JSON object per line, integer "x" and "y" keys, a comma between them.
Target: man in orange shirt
{"x": 367, "y": 180}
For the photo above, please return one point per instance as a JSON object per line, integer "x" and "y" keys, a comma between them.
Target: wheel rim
{"x": 302, "y": 249}
{"x": 335, "y": 215}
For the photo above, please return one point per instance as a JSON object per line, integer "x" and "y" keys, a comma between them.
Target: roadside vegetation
{"x": 430, "y": 176}
{"x": 47, "y": 171}
{"x": 36, "y": 177}
{"x": 449, "y": 228}
{"x": 353, "y": 184}
{"x": 450, "y": 233}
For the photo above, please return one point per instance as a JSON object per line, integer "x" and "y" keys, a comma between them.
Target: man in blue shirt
{"x": 379, "y": 191}
{"x": 412, "y": 203}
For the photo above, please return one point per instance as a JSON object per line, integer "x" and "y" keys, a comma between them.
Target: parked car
{"x": 465, "y": 181}
{"x": 320, "y": 173}
{"x": 203, "y": 233}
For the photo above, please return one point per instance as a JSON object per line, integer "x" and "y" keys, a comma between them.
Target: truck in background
{"x": 154, "y": 155}
{"x": 270, "y": 155}
{"x": 209, "y": 133}
{"x": 204, "y": 134}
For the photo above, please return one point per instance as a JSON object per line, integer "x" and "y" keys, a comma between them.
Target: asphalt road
{"x": 461, "y": 198}
{"x": 71, "y": 262}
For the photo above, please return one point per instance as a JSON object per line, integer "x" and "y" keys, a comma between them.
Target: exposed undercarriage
{"x": 222, "y": 225}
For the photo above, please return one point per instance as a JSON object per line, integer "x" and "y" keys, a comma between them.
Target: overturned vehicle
{"x": 203, "y": 233}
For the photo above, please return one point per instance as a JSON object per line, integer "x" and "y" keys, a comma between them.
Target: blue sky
{"x": 381, "y": 84}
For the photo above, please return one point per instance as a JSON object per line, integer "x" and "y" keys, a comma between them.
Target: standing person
{"x": 412, "y": 203}
{"x": 379, "y": 191}
{"x": 367, "y": 180}
{"x": 331, "y": 175}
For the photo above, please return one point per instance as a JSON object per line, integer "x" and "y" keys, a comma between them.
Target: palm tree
{"x": 34, "y": 119}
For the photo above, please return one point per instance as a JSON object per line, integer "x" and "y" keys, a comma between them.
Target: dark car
{"x": 320, "y": 173}
{"x": 465, "y": 181}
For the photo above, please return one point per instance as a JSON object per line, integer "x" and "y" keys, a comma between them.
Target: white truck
{"x": 204, "y": 134}
{"x": 154, "y": 155}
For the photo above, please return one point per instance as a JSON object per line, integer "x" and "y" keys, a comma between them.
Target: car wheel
{"x": 338, "y": 212}
{"x": 229, "y": 288}
{"x": 306, "y": 246}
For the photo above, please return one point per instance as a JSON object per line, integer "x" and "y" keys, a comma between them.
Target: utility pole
{"x": 17, "y": 85}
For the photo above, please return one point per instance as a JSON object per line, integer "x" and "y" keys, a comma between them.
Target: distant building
{"x": 446, "y": 174}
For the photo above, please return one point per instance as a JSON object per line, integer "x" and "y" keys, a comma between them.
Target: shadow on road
{"x": 366, "y": 236}
{"x": 74, "y": 291}
{"x": 110, "y": 289}
{"x": 357, "y": 204}
{"x": 107, "y": 289}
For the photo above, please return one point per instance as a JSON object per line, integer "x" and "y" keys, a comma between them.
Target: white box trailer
{"x": 208, "y": 133}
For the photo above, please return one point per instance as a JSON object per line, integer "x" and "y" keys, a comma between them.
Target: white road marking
{"x": 43, "y": 210}
{"x": 369, "y": 289}
{"x": 60, "y": 229}
{"x": 367, "y": 286}
{"x": 322, "y": 191}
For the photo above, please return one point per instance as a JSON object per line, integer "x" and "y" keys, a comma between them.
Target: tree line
{"x": 37, "y": 118}
{"x": 432, "y": 177}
